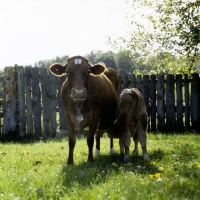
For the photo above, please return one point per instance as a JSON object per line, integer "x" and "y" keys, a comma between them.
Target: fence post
{"x": 9, "y": 103}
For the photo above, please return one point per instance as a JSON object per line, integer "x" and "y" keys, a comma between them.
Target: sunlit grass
{"x": 38, "y": 170}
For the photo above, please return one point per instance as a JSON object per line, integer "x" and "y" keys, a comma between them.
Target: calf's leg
{"x": 135, "y": 139}
{"x": 142, "y": 138}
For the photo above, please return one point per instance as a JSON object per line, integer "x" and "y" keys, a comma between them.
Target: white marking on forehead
{"x": 77, "y": 61}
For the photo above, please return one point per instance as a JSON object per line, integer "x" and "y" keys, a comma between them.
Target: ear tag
{"x": 77, "y": 61}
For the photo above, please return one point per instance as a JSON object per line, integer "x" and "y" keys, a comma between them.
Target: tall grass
{"x": 38, "y": 170}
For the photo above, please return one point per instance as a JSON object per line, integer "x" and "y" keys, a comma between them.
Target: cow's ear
{"x": 98, "y": 68}
{"x": 58, "y": 69}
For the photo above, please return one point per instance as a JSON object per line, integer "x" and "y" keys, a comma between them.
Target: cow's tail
{"x": 137, "y": 103}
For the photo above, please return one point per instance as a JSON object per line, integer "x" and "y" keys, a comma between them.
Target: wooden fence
{"x": 32, "y": 103}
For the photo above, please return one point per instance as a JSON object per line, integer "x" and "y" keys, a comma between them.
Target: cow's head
{"x": 78, "y": 70}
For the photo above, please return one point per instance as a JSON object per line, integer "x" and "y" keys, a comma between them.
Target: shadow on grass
{"x": 104, "y": 166}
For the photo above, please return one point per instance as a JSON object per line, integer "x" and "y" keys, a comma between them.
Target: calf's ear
{"x": 98, "y": 68}
{"x": 57, "y": 69}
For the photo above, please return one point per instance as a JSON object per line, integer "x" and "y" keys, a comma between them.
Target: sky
{"x": 31, "y": 31}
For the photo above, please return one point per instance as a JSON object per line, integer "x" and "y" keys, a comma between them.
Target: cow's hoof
{"x": 126, "y": 158}
{"x": 90, "y": 160}
{"x": 97, "y": 152}
{"x": 70, "y": 162}
{"x": 146, "y": 157}
{"x": 112, "y": 151}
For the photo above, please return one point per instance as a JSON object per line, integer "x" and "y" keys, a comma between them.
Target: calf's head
{"x": 78, "y": 70}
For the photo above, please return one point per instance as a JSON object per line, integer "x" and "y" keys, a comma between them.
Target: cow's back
{"x": 112, "y": 76}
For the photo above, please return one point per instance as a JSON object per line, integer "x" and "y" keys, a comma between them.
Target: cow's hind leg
{"x": 126, "y": 142}
{"x": 135, "y": 139}
{"x": 143, "y": 138}
{"x": 121, "y": 146}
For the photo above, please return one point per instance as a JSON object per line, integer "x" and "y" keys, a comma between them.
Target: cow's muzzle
{"x": 78, "y": 94}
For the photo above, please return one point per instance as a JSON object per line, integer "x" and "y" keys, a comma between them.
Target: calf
{"x": 131, "y": 122}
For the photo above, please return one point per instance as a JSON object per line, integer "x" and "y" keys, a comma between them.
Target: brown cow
{"x": 131, "y": 122}
{"x": 89, "y": 97}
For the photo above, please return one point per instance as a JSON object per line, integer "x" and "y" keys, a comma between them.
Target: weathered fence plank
{"x": 152, "y": 96}
{"x": 124, "y": 82}
{"x": 45, "y": 102}
{"x": 60, "y": 104}
{"x": 52, "y": 94}
{"x": 195, "y": 101}
{"x": 170, "y": 103}
{"x": 21, "y": 99}
{"x": 161, "y": 103}
{"x": 187, "y": 102}
{"x": 9, "y": 102}
{"x": 36, "y": 102}
{"x": 29, "y": 103}
{"x": 139, "y": 83}
{"x": 179, "y": 103}
{"x": 133, "y": 80}
{"x": 145, "y": 90}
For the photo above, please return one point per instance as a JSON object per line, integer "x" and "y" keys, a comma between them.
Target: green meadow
{"x": 38, "y": 170}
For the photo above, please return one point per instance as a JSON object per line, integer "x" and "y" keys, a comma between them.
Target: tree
{"x": 171, "y": 27}
{"x": 107, "y": 57}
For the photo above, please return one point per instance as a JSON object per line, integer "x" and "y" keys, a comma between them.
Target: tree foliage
{"x": 164, "y": 27}
{"x": 109, "y": 58}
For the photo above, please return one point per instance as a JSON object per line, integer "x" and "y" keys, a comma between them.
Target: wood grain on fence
{"x": 32, "y": 101}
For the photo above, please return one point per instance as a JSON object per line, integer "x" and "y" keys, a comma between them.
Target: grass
{"x": 38, "y": 170}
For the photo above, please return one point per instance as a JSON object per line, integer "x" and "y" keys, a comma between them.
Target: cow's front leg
{"x": 72, "y": 142}
{"x": 90, "y": 139}
{"x": 71, "y": 139}
{"x": 90, "y": 143}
